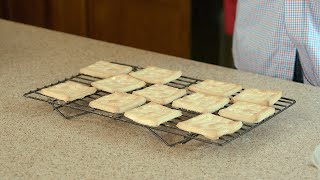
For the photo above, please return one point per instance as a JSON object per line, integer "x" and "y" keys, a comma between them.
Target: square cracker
{"x": 201, "y": 103}
{"x": 156, "y": 75}
{"x": 161, "y": 94}
{"x": 216, "y": 88}
{"x": 210, "y": 126}
{"x": 68, "y": 91}
{"x": 118, "y": 102}
{"x": 119, "y": 83}
{"x": 262, "y": 97}
{"x": 247, "y": 112}
{"x": 103, "y": 69}
{"x": 152, "y": 114}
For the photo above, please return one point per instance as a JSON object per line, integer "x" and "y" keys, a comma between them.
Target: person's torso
{"x": 269, "y": 32}
{"x": 261, "y": 44}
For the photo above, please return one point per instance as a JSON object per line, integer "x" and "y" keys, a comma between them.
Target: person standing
{"x": 278, "y": 38}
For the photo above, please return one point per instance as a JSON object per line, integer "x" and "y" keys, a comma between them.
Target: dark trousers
{"x": 298, "y": 72}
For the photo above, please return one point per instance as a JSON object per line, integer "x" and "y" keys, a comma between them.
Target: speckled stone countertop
{"x": 36, "y": 142}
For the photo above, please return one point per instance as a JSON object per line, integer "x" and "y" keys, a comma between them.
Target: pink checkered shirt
{"x": 268, "y": 33}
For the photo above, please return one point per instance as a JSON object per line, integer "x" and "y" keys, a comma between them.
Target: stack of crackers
{"x": 141, "y": 96}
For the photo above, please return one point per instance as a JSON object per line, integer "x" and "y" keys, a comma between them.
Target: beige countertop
{"x": 35, "y": 142}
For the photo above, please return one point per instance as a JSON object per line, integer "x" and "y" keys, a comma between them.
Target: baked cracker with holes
{"x": 161, "y": 94}
{"x": 247, "y": 112}
{"x": 216, "y": 88}
{"x": 103, "y": 69}
{"x": 117, "y": 102}
{"x": 210, "y": 126}
{"x": 68, "y": 91}
{"x": 152, "y": 114}
{"x": 201, "y": 103}
{"x": 262, "y": 97}
{"x": 119, "y": 83}
{"x": 156, "y": 75}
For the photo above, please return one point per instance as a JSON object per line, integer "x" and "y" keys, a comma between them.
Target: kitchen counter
{"x": 36, "y": 142}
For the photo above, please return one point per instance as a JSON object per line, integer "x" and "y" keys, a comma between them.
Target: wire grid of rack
{"x": 80, "y": 107}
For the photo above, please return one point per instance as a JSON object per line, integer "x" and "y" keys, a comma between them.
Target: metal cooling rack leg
{"x": 159, "y": 137}
{"x": 187, "y": 139}
{"x": 67, "y": 117}
{"x": 56, "y": 109}
{"x": 183, "y": 141}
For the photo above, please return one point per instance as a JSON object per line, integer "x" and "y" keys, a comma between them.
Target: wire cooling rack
{"x": 167, "y": 132}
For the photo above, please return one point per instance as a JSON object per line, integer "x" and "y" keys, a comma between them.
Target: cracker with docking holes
{"x": 247, "y": 112}
{"x": 161, "y": 94}
{"x": 119, "y": 83}
{"x": 209, "y": 125}
{"x": 201, "y": 103}
{"x": 156, "y": 75}
{"x": 117, "y": 102}
{"x": 68, "y": 91}
{"x": 262, "y": 97}
{"x": 103, "y": 69}
{"x": 216, "y": 88}
{"x": 152, "y": 114}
